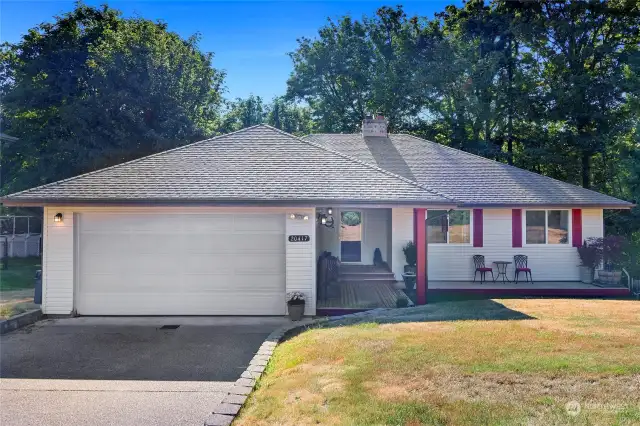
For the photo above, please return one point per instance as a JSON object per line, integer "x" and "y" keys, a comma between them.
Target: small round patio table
{"x": 502, "y": 270}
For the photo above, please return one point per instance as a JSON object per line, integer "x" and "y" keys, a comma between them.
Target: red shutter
{"x": 576, "y": 227}
{"x": 516, "y": 228}
{"x": 477, "y": 227}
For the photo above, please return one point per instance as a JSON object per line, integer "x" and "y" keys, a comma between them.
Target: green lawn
{"x": 461, "y": 372}
{"x": 20, "y": 273}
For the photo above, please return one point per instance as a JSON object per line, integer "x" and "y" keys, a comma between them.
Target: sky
{"x": 250, "y": 40}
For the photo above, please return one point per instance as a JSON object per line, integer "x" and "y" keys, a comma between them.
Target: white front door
{"x": 181, "y": 264}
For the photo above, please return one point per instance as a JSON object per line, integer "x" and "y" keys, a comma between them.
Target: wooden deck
{"x": 523, "y": 288}
{"x": 363, "y": 295}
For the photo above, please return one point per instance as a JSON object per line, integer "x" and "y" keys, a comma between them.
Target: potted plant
{"x": 295, "y": 303}
{"x": 411, "y": 257}
{"x": 612, "y": 248}
{"x": 590, "y": 259}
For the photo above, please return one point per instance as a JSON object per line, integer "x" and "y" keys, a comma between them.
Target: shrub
{"x": 402, "y": 302}
{"x": 610, "y": 250}
{"x": 295, "y": 298}
{"x": 410, "y": 253}
{"x": 590, "y": 253}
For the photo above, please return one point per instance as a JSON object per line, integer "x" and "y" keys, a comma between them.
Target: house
{"x": 227, "y": 225}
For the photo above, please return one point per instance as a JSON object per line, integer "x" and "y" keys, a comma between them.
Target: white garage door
{"x": 181, "y": 264}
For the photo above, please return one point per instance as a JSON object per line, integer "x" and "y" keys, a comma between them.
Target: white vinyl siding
{"x": 258, "y": 227}
{"x": 554, "y": 262}
{"x": 401, "y": 234}
{"x": 57, "y": 262}
{"x": 301, "y": 258}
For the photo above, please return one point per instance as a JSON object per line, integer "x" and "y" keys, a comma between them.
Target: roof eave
{"x": 36, "y": 202}
{"x": 621, "y": 205}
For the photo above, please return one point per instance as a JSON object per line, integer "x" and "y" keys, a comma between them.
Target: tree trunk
{"x": 586, "y": 170}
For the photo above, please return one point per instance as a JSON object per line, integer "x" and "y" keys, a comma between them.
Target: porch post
{"x": 420, "y": 240}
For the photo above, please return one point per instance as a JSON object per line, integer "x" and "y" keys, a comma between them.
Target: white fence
{"x": 20, "y": 245}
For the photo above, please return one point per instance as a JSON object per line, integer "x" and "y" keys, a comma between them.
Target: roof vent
{"x": 374, "y": 126}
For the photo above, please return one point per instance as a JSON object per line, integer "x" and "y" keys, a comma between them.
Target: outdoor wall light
{"x": 57, "y": 217}
{"x": 329, "y": 211}
{"x": 292, "y": 216}
{"x": 325, "y": 220}
{"x": 305, "y": 217}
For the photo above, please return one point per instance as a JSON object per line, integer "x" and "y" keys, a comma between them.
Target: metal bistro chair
{"x": 478, "y": 261}
{"x": 520, "y": 261}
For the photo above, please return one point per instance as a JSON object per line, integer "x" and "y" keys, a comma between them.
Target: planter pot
{"x": 609, "y": 277}
{"x": 586, "y": 274}
{"x": 409, "y": 281}
{"x": 296, "y": 311}
{"x": 409, "y": 269}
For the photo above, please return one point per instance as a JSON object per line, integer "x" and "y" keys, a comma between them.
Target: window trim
{"x": 546, "y": 228}
{"x": 447, "y": 243}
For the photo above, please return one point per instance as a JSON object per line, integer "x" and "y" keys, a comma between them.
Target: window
{"x": 452, "y": 228}
{"x": 547, "y": 226}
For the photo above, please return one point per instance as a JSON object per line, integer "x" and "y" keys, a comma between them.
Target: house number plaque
{"x": 299, "y": 238}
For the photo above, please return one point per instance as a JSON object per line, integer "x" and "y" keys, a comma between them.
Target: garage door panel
{"x": 252, "y": 223}
{"x": 209, "y": 223}
{"x": 130, "y": 284}
{"x": 190, "y": 304}
{"x": 257, "y": 243}
{"x": 177, "y": 264}
{"x": 207, "y": 244}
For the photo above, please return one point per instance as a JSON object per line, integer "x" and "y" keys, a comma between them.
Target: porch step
{"x": 348, "y": 269}
{"x": 374, "y": 276}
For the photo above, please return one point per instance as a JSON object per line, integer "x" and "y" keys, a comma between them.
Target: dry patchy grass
{"x": 461, "y": 372}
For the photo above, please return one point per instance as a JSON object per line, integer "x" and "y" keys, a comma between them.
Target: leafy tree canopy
{"x": 94, "y": 89}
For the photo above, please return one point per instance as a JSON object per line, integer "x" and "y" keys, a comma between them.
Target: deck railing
{"x": 634, "y": 284}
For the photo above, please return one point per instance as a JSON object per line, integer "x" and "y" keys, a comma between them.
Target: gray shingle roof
{"x": 257, "y": 164}
{"x": 467, "y": 178}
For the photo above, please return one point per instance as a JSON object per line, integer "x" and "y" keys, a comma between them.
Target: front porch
{"x": 356, "y": 239}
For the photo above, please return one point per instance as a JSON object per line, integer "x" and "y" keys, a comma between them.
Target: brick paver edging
{"x": 226, "y": 411}
{"x": 20, "y": 320}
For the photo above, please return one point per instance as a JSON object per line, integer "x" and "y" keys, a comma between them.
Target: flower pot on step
{"x": 611, "y": 278}
{"x": 409, "y": 281}
{"x": 296, "y": 311}
{"x": 586, "y": 275}
{"x": 409, "y": 269}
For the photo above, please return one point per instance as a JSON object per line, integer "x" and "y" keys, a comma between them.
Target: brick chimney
{"x": 374, "y": 126}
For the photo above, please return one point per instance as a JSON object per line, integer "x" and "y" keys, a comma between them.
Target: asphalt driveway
{"x": 124, "y": 371}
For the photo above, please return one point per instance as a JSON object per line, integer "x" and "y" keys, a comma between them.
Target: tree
{"x": 243, "y": 113}
{"x": 93, "y": 89}
{"x": 286, "y": 115}
{"x": 585, "y": 47}
{"x": 357, "y": 67}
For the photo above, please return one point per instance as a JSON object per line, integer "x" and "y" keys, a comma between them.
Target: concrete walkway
{"x": 97, "y": 402}
{"x": 124, "y": 371}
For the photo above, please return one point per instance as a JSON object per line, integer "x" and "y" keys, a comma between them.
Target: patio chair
{"x": 478, "y": 261}
{"x": 520, "y": 261}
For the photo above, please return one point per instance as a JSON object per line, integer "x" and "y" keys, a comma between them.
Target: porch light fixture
{"x": 292, "y": 216}
{"x": 325, "y": 220}
{"x": 57, "y": 217}
{"x": 329, "y": 211}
